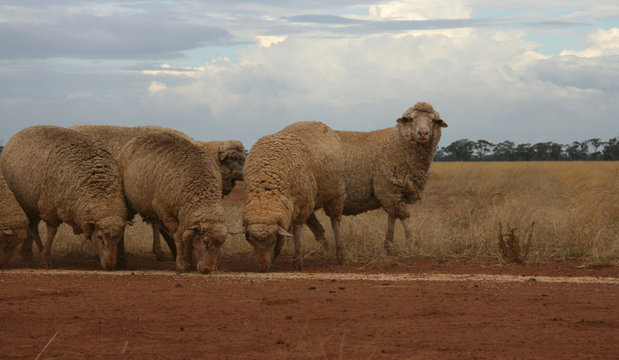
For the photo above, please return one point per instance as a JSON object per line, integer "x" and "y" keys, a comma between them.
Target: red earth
{"x": 404, "y": 309}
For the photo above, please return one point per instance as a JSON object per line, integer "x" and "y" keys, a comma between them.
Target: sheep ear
{"x": 441, "y": 123}
{"x": 281, "y": 231}
{"x": 223, "y": 154}
{"x": 236, "y": 232}
{"x": 401, "y": 120}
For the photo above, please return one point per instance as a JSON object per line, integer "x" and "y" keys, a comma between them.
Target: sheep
{"x": 287, "y": 176}
{"x": 229, "y": 155}
{"x": 388, "y": 168}
{"x": 13, "y": 223}
{"x": 59, "y": 175}
{"x": 177, "y": 186}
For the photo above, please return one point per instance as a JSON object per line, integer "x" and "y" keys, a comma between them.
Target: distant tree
{"x": 576, "y": 151}
{"x": 611, "y": 150}
{"x": 1, "y": 148}
{"x": 555, "y": 151}
{"x": 595, "y": 143}
{"x": 504, "y": 151}
{"x": 525, "y": 152}
{"x": 482, "y": 147}
{"x": 541, "y": 151}
{"x": 460, "y": 150}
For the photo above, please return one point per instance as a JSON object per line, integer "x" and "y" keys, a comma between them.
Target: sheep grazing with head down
{"x": 59, "y": 175}
{"x": 13, "y": 223}
{"x": 177, "y": 186}
{"x": 389, "y": 168}
{"x": 228, "y": 154}
{"x": 287, "y": 176}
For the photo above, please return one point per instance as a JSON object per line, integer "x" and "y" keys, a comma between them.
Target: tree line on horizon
{"x": 482, "y": 150}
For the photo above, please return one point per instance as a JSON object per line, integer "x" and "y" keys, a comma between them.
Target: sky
{"x": 526, "y": 71}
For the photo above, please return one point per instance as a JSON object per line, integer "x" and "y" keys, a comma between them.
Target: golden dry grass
{"x": 574, "y": 205}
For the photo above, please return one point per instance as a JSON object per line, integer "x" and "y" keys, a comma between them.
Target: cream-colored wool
{"x": 13, "y": 223}
{"x": 228, "y": 154}
{"x": 389, "y": 168}
{"x": 230, "y": 157}
{"x": 59, "y": 175}
{"x": 177, "y": 186}
{"x": 287, "y": 176}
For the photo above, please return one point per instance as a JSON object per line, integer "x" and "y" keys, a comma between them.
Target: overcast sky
{"x": 526, "y": 71}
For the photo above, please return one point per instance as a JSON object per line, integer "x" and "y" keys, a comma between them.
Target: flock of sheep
{"x": 95, "y": 178}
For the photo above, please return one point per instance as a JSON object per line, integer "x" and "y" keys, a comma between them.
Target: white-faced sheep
{"x": 287, "y": 176}
{"x": 59, "y": 175}
{"x": 228, "y": 154}
{"x": 389, "y": 168}
{"x": 176, "y": 185}
{"x": 13, "y": 223}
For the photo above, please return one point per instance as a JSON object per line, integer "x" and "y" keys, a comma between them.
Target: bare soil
{"x": 391, "y": 309}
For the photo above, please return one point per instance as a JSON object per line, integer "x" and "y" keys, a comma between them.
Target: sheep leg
{"x": 298, "y": 258}
{"x": 339, "y": 249}
{"x": 157, "y": 250}
{"x": 33, "y": 234}
{"x": 408, "y": 231}
{"x": 170, "y": 241}
{"x": 181, "y": 264}
{"x": 389, "y": 236}
{"x": 318, "y": 231}
{"x": 121, "y": 256}
{"x": 46, "y": 258}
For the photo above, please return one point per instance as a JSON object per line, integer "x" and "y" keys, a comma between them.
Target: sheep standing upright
{"x": 389, "y": 168}
{"x": 177, "y": 186}
{"x": 13, "y": 223}
{"x": 59, "y": 175}
{"x": 287, "y": 176}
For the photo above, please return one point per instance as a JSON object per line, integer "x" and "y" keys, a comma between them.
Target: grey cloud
{"x": 117, "y": 37}
{"x": 321, "y": 19}
{"x": 601, "y": 73}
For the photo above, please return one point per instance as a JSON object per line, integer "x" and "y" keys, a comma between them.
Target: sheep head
{"x": 9, "y": 239}
{"x": 267, "y": 240}
{"x": 105, "y": 235}
{"x": 232, "y": 156}
{"x": 419, "y": 123}
{"x": 207, "y": 240}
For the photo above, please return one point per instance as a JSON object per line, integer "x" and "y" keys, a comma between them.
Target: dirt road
{"x": 417, "y": 310}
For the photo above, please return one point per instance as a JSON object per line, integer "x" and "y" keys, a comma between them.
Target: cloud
{"x": 600, "y": 43}
{"x": 106, "y": 37}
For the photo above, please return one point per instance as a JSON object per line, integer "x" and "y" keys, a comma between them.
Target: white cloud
{"x": 268, "y": 41}
{"x": 156, "y": 87}
{"x": 600, "y": 43}
{"x": 421, "y": 10}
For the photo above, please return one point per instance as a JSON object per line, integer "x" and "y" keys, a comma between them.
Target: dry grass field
{"x": 543, "y": 211}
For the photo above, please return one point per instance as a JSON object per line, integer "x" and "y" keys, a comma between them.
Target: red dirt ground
{"x": 150, "y": 312}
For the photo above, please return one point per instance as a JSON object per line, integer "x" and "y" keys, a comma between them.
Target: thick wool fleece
{"x": 59, "y": 175}
{"x": 289, "y": 174}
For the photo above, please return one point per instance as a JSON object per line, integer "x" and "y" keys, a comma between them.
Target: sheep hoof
{"x": 340, "y": 257}
{"x": 389, "y": 249}
{"x": 298, "y": 264}
{"x": 45, "y": 262}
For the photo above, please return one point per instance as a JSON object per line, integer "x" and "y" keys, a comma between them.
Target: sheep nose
{"x": 423, "y": 133}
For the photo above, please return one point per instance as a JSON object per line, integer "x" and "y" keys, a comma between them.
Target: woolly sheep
{"x": 59, "y": 175}
{"x": 230, "y": 157}
{"x": 287, "y": 176}
{"x": 176, "y": 185}
{"x": 13, "y": 223}
{"x": 228, "y": 154}
{"x": 388, "y": 168}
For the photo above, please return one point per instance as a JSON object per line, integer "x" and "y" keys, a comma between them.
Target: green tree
{"x": 461, "y": 150}
{"x": 482, "y": 147}
{"x": 504, "y": 151}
